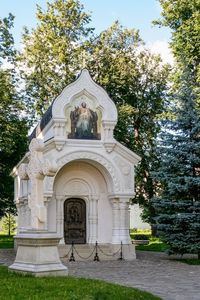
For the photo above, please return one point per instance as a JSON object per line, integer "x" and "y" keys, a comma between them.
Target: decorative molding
{"x": 129, "y": 155}
{"x": 85, "y": 84}
{"x": 49, "y": 168}
{"x": 59, "y": 133}
{"x": 109, "y": 146}
{"x": 36, "y": 145}
{"x": 22, "y": 171}
{"x": 86, "y": 155}
{"x": 123, "y": 165}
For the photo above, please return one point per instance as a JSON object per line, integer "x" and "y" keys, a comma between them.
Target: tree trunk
{"x": 153, "y": 230}
{"x": 9, "y": 225}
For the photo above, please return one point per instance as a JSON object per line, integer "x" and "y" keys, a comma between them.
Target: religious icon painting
{"x": 84, "y": 123}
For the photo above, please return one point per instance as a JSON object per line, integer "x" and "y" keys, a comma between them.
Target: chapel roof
{"x": 46, "y": 118}
{"x": 43, "y": 122}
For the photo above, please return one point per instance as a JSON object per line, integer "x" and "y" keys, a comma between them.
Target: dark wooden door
{"x": 75, "y": 221}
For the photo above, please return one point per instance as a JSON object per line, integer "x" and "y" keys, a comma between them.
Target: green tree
{"x": 13, "y": 128}
{"x": 178, "y": 206}
{"x": 133, "y": 78}
{"x": 137, "y": 81}
{"x": 183, "y": 18}
{"x": 52, "y": 53}
{"x": 9, "y": 223}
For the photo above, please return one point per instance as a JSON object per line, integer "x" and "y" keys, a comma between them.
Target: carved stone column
{"x": 22, "y": 214}
{"x": 124, "y": 220}
{"x": 116, "y": 224}
{"x": 18, "y": 216}
{"x": 26, "y": 216}
{"x": 60, "y": 218}
{"x": 93, "y": 220}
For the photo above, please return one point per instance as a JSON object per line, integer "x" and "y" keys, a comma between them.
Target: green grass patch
{"x": 190, "y": 261}
{"x": 16, "y": 287}
{"x": 6, "y": 241}
{"x": 154, "y": 245}
{"x": 141, "y": 231}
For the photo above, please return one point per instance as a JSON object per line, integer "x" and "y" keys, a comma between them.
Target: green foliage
{"x": 190, "y": 261}
{"x": 183, "y": 18}
{"x": 7, "y": 51}
{"x": 141, "y": 231}
{"x": 59, "y": 47}
{"x": 15, "y": 286}
{"x": 52, "y": 53}
{"x": 139, "y": 236}
{"x": 137, "y": 82}
{"x": 13, "y": 128}
{"x": 6, "y": 242}
{"x": 155, "y": 246}
{"x": 9, "y": 224}
{"x": 178, "y": 205}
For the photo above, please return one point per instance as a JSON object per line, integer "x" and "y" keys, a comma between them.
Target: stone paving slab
{"x": 151, "y": 271}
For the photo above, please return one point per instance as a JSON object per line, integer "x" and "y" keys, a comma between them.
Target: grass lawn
{"x": 153, "y": 246}
{"x": 15, "y": 286}
{"x": 6, "y": 241}
{"x": 190, "y": 261}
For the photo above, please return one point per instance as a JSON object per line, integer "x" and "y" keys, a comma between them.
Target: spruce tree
{"x": 177, "y": 206}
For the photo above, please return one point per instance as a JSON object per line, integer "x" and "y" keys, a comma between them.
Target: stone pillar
{"x": 93, "y": 220}
{"x": 37, "y": 254}
{"x": 26, "y": 214}
{"x": 18, "y": 217}
{"x": 120, "y": 230}
{"x": 60, "y": 218}
{"x": 22, "y": 214}
{"x": 116, "y": 224}
{"x": 124, "y": 220}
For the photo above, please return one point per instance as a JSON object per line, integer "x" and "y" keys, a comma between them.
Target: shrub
{"x": 140, "y": 237}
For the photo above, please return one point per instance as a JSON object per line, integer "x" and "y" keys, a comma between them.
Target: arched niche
{"x": 82, "y": 179}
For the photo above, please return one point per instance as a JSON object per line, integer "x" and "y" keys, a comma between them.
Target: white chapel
{"x": 75, "y": 182}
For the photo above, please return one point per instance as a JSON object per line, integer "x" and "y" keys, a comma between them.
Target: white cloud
{"x": 162, "y": 48}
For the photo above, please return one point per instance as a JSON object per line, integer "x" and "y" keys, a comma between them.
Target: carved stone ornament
{"x": 22, "y": 171}
{"x": 123, "y": 166}
{"x": 109, "y": 146}
{"x": 96, "y": 158}
{"x": 36, "y": 145}
{"x": 85, "y": 82}
{"x": 49, "y": 168}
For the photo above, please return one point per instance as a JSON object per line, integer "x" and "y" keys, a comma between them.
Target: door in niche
{"x": 75, "y": 221}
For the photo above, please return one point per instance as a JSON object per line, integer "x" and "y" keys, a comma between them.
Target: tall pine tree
{"x": 178, "y": 205}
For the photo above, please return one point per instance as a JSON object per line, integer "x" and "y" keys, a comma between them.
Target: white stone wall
{"x": 135, "y": 218}
{"x": 57, "y": 168}
{"x": 82, "y": 180}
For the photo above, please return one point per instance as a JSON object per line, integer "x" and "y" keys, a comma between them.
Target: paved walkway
{"x": 154, "y": 272}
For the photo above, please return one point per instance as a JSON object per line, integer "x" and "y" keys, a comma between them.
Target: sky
{"x": 137, "y": 14}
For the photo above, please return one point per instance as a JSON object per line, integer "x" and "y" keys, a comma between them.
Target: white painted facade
{"x": 135, "y": 218}
{"x": 57, "y": 167}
